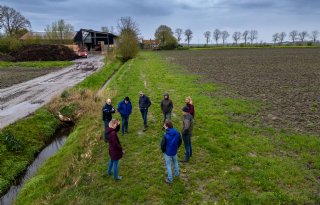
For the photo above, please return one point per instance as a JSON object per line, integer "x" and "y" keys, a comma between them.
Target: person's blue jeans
{"x": 144, "y": 114}
{"x": 106, "y": 125}
{"x": 187, "y": 145}
{"x": 114, "y": 164}
{"x": 174, "y": 160}
{"x": 125, "y": 123}
{"x": 166, "y": 116}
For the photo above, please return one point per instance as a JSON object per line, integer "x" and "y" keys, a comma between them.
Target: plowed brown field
{"x": 287, "y": 81}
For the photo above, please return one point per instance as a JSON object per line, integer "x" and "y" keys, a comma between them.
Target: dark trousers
{"x": 187, "y": 145}
{"x": 144, "y": 114}
{"x": 125, "y": 123}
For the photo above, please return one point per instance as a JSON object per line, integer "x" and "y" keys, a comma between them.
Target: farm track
{"x": 22, "y": 99}
{"x": 286, "y": 81}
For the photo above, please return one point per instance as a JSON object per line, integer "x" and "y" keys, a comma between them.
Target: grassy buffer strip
{"x": 231, "y": 163}
{"x": 21, "y": 141}
{"x": 35, "y": 64}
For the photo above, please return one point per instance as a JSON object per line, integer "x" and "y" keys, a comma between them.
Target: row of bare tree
{"x": 296, "y": 36}
{"x": 247, "y": 35}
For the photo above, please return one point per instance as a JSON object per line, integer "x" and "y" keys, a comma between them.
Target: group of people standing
{"x": 170, "y": 142}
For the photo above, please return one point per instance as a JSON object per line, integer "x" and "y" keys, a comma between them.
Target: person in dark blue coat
{"x": 107, "y": 111}
{"x": 170, "y": 143}
{"x": 125, "y": 110}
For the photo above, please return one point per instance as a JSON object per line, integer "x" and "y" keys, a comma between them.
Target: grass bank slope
{"x": 231, "y": 163}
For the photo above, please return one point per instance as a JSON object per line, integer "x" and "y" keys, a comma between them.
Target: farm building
{"x": 95, "y": 40}
{"x": 150, "y": 44}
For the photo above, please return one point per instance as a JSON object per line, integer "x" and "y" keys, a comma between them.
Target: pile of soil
{"x": 5, "y": 57}
{"x": 43, "y": 53}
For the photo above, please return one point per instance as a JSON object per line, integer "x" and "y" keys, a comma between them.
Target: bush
{"x": 8, "y": 44}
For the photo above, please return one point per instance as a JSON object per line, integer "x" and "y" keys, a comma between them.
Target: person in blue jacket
{"x": 170, "y": 143}
{"x": 125, "y": 110}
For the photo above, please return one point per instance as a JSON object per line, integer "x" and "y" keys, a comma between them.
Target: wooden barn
{"x": 95, "y": 40}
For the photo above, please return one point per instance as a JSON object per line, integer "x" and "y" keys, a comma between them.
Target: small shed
{"x": 95, "y": 40}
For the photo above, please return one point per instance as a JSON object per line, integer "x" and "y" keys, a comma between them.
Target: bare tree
{"x": 253, "y": 35}
{"x": 282, "y": 36}
{"x": 224, "y": 36}
{"x": 178, "y": 33}
{"x": 236, "y": 37}
{"x": 128, "y": 38}
{"x": 12, "y": 21}
{"x": 207, "y": 36}
{"x": 303, "y": 35}
{"x": 275, "y": 38}
{"x": 216, "y": 35}
{"x": 314, "y": 35}
{"x": 293, "y": 36}
{"x": 188, "y": 33}
{"x": 59, "y": 30}
{"x": 245, "y": 35}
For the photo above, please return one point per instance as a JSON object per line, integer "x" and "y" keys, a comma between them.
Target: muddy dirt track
{"x": 286, "y": 81}
{"x": 24, "y": 98}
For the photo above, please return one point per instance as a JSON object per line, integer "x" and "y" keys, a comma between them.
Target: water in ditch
{"x": 59, "y": 140}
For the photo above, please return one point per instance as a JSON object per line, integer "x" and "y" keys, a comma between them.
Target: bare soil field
{"x": 12, "y": 76}
{"x": 287, "y": 81}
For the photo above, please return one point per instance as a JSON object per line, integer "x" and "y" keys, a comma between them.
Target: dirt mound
{"x": 5, "y": 57}
{"x": 44, "y": 53}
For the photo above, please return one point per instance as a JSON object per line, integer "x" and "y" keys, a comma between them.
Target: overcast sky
{"x": 265, "y": 16}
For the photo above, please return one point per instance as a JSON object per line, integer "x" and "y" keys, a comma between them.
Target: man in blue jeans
{"x": 144, "y": 104}
{"x": 125, "y": 109}
{"x": 187, "y": 132}
{"x": 170, "y": 143}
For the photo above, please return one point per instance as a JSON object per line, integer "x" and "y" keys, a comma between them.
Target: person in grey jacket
{"x": 187, "y": 132}
{"x": 166, "y": 108}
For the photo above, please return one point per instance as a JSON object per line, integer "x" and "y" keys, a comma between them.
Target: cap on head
{"x": 127, "y": 98}
{"x": 185, "y": 109}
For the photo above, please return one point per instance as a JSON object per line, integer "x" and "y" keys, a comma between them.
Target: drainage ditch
{"x": 59, "y": 139}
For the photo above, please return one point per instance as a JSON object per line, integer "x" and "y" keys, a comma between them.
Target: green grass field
{"x": 36, "y": 64}
{"x": 231, "y": 163}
